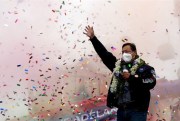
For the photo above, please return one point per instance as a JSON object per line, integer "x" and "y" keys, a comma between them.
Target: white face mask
{"x": 127, "y": 57}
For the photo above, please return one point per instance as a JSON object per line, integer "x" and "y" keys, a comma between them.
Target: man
{"x": 131, "y": 82}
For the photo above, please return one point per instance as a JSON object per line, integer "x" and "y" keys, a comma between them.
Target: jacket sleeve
{"x": 107, "y": 58}
{"x": 146, "y": 77}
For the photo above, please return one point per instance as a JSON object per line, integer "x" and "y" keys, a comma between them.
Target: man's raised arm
{"x": 108, "y": 58}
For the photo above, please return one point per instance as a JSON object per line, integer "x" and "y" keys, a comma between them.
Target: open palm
{"x": 89, "y": 32}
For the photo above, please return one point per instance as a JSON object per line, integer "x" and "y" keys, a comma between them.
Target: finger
{"x": 92, "y": 27}
{"x": 89, "y": 27}
{"x": 86, "y": 30}
{"x": 85, "y": 34}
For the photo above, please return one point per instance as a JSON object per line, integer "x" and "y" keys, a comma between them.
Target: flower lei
{"x": 117, "y": 84}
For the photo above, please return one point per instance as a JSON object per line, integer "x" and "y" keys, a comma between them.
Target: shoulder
{"x": 146, "y": 69}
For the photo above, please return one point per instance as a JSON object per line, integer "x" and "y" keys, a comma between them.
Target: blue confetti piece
{"x": 113, "y": 48}
{"x": 81, "y": 59}
{"x": 3, "y": 109}
{"x": 156, "y": 102}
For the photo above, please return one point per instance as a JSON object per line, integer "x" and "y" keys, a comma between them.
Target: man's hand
{"x": 89, "y": 32}
{"x": 126, "y": 75}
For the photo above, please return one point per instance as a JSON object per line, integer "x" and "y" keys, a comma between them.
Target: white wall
{"x": 32, "y": 30}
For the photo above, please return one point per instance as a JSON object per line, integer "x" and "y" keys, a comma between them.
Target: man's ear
{"x": 134, "y": 55}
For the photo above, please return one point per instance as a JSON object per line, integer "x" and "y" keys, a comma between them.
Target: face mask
{"x": 127, "y": 57}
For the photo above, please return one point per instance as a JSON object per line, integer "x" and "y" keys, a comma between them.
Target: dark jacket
{"x": 139, "y": 86}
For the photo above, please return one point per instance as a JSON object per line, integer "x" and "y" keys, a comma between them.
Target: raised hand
{"x": 89, "y": 32}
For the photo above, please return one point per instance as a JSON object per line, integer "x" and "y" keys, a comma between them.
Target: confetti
{"x": 16, "y": 20}
{"x": 166, "y": 30}
{"x": 60, "y": 72}
{"x": 3, "y": 109}
{"x": 124, "y": 40}
{"x": 18, "y": 65}
{"x": 26, "y": 70}
{"x": 113, "y": 48}
{"x": 6, "y": 25}
{"x": 81, "y": 59}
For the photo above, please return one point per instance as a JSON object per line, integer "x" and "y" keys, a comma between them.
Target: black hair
{"x": 132, "y": 45}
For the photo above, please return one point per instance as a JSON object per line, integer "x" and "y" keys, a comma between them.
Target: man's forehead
{"x": 126, "y": 47}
